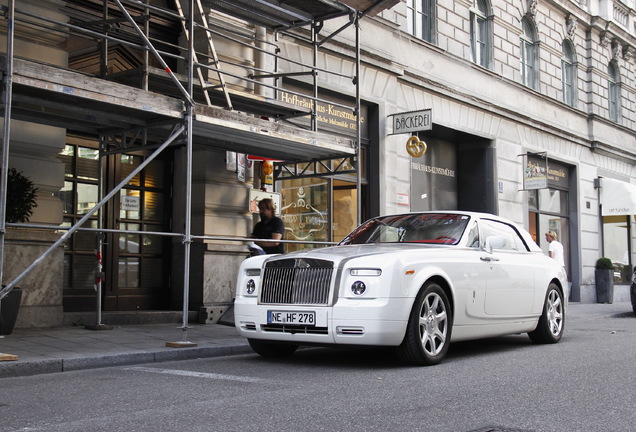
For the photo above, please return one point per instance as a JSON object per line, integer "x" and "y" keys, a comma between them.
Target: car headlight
{"x": 365, "y": 272}
{"x": 358, "y": 287}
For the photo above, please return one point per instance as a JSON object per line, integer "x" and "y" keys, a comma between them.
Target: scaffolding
{"x": 188, "y": 99}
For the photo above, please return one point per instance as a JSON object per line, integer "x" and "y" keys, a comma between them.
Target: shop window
{"x": 345, "y": 199}
{"x": 616, "y": 235}
{"x": 305, "y": 211}
{"x": 549, "y": 212}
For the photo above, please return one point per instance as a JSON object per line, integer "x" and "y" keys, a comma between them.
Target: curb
{"x": 37, "y": 367}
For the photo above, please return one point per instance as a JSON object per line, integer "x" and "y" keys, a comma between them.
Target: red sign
{"x": 262, "y": 158}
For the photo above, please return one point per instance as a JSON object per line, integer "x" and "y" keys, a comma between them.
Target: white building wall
{"x": 402, "y": 73}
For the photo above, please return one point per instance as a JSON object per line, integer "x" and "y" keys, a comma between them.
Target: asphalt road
{"x": 584, "y": 383}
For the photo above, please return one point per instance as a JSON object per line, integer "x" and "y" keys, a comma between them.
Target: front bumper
{"x": 378, "y": 322}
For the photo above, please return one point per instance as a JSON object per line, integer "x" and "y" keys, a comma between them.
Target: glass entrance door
{"x": 136, "y": 266}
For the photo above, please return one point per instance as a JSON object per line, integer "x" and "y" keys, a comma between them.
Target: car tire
{"x": 552, "y": 322}
{"x": 429, "y": 328}
{"x": 272, "y": 349}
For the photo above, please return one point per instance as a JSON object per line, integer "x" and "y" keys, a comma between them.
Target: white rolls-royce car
{"x": 415, "y": 281}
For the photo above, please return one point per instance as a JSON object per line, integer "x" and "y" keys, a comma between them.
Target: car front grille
{"x": 297, "y": 281}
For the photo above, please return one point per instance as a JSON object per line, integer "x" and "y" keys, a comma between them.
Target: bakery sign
{"x": 412, "y": 121}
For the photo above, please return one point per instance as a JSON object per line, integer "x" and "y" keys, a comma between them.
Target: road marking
{"x": 200, "y": 374}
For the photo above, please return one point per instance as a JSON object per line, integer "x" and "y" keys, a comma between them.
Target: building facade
{"x": 531, "y": 114}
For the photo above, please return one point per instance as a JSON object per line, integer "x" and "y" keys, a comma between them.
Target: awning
{"x": 617, "y": 197}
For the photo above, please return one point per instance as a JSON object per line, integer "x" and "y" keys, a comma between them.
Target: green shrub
{"x": 20, "y": 197}
{"x": 604, "y": 264}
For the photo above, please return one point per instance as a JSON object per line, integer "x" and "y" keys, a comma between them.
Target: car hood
{"x": 336, "y": 253}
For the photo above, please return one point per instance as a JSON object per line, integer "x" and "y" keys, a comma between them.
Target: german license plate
{"x": 291, "y": 317}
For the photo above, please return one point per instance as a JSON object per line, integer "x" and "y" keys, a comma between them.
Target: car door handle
{"x": 488, "y": 259}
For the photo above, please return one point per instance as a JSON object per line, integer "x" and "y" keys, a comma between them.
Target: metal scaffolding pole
{"x": 8, "y": 82}
{"x": 148, "y": 44}
{"x": 187, "y": 236}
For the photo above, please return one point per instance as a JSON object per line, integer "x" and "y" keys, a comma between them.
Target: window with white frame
{"x": 480, "y": 33}
{"x": 614, "y": 95}
{"x": 568, "y": 77}
{"x": 528, "y": 45}
{"x": 420, "y": 16}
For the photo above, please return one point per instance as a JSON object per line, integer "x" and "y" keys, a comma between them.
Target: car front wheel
{"x": 272, "y": 349}
{"x": 552, "y": 321}
{"x": 429, "y": 328}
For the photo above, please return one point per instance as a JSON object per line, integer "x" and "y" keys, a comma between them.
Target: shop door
{"x": 136, "y": 266}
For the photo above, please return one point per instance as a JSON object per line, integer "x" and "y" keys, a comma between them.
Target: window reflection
{"x": 616, "y": 234}
{"x": 87, "y": 197}
{"x": 128, "y": 165}
{"x": 305, "y": 211}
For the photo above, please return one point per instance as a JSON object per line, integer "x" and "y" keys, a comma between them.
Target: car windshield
{"x": 432, "y": 228}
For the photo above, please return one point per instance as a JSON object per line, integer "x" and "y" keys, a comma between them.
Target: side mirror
{"x": 494, "y": 242}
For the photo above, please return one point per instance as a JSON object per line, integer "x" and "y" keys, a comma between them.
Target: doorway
{"x": 136, "y": 267}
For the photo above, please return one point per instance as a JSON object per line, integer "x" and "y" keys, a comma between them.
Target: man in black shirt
{"x": 270, "y": 227}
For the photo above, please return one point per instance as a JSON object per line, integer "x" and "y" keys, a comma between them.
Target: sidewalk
{"x": 62, "y": 349}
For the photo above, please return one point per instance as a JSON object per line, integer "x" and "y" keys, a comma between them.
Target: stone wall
{"x": 41, "y": 304}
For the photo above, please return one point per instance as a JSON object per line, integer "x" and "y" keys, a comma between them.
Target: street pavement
{"x": 62, "y": 349}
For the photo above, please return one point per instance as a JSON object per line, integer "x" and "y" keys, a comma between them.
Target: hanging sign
{"x": 415, "y": 147}
{"x": 535, "y": 172}
{"x": 412, "y": 121}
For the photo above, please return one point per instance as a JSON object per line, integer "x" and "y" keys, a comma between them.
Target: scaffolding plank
{"x": 241, "y": 100}
{"x": 54, "y": 81}
{"x": 65, "y": 98}
{"x": 245, "y": 134}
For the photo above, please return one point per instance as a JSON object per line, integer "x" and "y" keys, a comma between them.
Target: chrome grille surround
{"x": 302, "y": 281}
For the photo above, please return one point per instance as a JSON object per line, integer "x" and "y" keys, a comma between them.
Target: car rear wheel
{"x": 552, "y": 321}
{"x": 272, "y": 349}
{"x": 429, "y": 328}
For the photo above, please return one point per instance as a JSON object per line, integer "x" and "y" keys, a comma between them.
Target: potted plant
{"x": 604, "y": 277}
{"x": 21, "y": 197}
{"x": 21, "y": 200}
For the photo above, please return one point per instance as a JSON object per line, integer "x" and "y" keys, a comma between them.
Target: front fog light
{"x": 358, "y": 288}
{"x": 251, "y": 286}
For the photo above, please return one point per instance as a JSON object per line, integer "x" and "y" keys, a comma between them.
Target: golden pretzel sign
{"x": 415, "y": 147}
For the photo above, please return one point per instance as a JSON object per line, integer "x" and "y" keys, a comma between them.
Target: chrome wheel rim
{"x": 555, "y": 312}
{"x": 433, "y": 324}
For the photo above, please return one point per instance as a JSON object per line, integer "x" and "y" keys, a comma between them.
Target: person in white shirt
{"x": 555, "y": 249}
